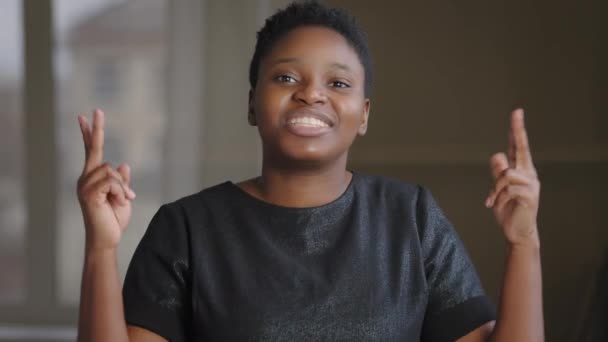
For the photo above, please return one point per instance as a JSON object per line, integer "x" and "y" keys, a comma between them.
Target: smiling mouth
{"x": 308, "y": 125}
{"x": 307, "y": 121}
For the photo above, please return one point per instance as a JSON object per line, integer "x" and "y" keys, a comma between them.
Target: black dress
{"x": 380, "y": 263}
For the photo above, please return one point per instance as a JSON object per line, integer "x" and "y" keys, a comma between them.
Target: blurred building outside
{"x": 118, "y": 65}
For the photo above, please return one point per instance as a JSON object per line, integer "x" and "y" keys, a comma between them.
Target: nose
{"x": 310, "y": 93}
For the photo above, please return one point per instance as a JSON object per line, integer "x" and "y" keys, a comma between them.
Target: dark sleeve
{"x": 457, "y": 302}
{"x": 156, "y": 291}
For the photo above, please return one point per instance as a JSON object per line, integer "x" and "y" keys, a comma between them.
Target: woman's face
{"x": 309, "y": 102}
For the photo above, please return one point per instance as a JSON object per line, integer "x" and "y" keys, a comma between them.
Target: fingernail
{"x": 488, "y": 202}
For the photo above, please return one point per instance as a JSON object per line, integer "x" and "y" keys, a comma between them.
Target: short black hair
{"x": 311, "y": 13}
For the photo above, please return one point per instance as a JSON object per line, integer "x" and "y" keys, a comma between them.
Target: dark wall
{"x": 447, "y": 75}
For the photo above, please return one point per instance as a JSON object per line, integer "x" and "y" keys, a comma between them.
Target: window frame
{"x": 187, "y": 61}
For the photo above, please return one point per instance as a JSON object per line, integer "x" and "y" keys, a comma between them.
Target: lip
{"x": 303, "y": 130}
{"x": 302, "y": 112}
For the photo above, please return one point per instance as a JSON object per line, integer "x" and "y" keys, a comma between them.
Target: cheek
{"x": 352, "y": 114}
{"x": 269, "y": 103}
{"x": 268, "y": 106}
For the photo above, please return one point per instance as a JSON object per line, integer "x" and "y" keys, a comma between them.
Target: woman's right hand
{"x": 103, "y": 192}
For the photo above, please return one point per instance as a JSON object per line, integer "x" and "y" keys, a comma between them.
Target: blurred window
{"x": 107, "y": 81}
{"x": 137, "y": 60}
{"x": 12, "y": 205}
{"x": 108, "y": 55}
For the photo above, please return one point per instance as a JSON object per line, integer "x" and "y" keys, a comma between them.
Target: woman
{"x": 308, "y": 251}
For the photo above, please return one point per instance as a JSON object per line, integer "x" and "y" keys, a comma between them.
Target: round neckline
{"x": 344, "y": 196}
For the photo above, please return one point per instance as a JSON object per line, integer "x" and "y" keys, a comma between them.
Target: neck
{"x": 302, "y": 188}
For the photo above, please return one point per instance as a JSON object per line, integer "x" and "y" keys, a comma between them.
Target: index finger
{"x": 86, "y": 134}
{"x": 95, "y": 146}
{"x": 519, "y": 141}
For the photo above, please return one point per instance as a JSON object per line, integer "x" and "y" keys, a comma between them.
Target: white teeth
{"x": 308, "y": 121}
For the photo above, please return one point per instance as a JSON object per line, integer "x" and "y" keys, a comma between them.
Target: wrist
{"x": 96, "y": 251}
{"x": 529, "y": 243}
{"x": 100, "y": 243}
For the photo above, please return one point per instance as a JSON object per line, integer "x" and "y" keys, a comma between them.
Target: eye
{"x": 339, "y": 84}
{"x": 285, "y": 79}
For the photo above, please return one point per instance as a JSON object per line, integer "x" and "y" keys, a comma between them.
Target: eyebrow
{"x": 337, "y": 65}
{"x": 286, "y": 60}
{"x": 334, "y": 65}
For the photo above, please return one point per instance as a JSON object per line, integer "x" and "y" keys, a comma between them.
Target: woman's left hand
{"x": 516, "y": 191}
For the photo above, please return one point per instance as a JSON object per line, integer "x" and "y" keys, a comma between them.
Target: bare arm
{"x": 101, "y": 307}
{"x": 105, "y": 199}
{"x": 514, "y": 200}
{"x": 521, "y": 309}
{"x": 101, "y": 316}
{"x": 521, "y": 305}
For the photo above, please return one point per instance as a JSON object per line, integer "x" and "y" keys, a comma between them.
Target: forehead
{"x": 314, "y": 44}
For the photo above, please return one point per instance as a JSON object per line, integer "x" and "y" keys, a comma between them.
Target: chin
{"x": 303, "y": 152}
{"x": 309, "y": 156}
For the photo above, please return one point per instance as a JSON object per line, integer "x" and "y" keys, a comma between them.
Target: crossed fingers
{"x": 94, "y": 168}
{"x": 514, "y": 173}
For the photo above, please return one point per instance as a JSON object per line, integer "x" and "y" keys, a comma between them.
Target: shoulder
{"x": 396, "y": 196}
{"x": 176, "y": 221}
{"x": 187, "y": 212}
{"x": 388, "y": 188}
{"x": 395, "y": 189}
{"x": 196, "y": 201}
{"x": 398, "y": 199}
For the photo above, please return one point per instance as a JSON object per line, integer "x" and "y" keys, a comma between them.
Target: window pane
{"x": 12, "y": 205}
{"x": 109, "y": 55}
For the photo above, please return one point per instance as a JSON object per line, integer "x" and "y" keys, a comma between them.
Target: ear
{"x": 363, "y": 126}
{"x": 251, "y": 112}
